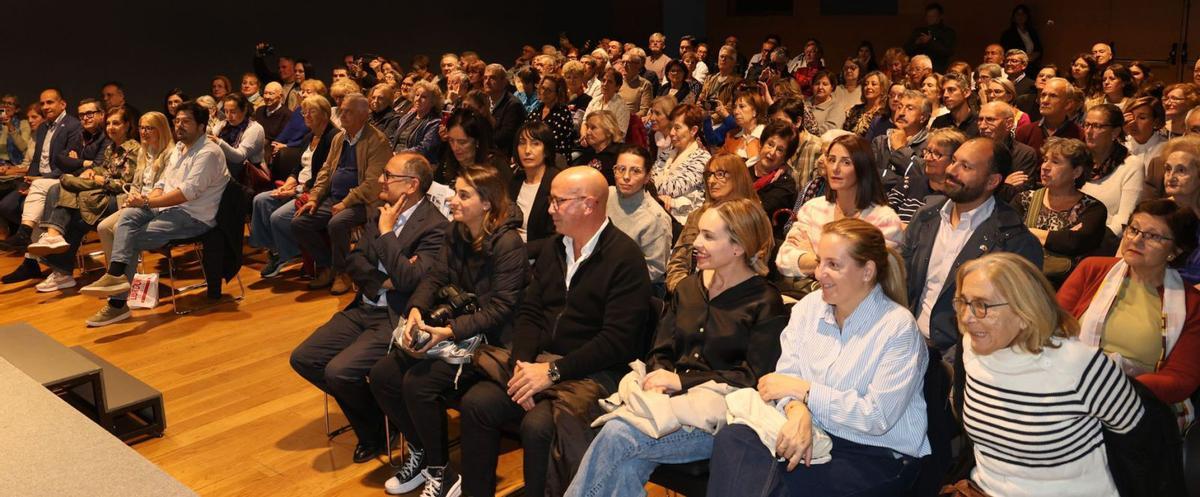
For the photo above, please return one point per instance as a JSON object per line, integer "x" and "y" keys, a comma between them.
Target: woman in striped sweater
{"x": 1036, "y": 400}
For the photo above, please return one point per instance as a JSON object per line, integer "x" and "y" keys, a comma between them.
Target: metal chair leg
{"x": 332, "y": 434}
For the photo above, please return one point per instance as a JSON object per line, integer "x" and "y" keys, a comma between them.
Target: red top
{"x": 1180, "y": 375}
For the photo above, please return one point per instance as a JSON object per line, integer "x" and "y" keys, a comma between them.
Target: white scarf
{"x": 1174, "y": 311}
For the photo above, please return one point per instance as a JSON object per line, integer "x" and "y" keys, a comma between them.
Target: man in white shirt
{"x": 182, "y": 205}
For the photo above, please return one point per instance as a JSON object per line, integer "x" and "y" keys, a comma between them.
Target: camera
{"x": 265, "y": 49}
{"x": 453, "y": 302}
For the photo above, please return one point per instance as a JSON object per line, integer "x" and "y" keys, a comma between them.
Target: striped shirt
{"x": 866, "y": 377}
{"x": 1036, "y": 419}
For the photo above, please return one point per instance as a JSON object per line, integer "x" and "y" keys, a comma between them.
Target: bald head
{"x": 578, "y": 198}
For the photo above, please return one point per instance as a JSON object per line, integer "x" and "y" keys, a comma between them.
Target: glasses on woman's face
{"x": 147, "y": 129}
{"x": 719, "y": 175}
{"x": 930, "y": 154}
{"x": 1132, "y": 232}
{"x": 978, "y": 308}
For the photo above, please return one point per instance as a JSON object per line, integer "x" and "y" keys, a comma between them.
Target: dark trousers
{"x": 486, "y": 407}
{"x": 337, "y": 357}
{"x": 412, "y": 392}
{"x": 742, "y": 465}
{"x": 11, "y": 203}
{"x": 308, "y": 229}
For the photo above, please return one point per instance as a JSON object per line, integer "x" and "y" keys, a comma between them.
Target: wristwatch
{"x": 553, "y": 373}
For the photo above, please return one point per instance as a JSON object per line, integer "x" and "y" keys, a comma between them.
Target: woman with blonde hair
{"x": 659, "y": 123}
{"x": 852, "y": 364}
{"x": 601, "y": 134}
{"x": 1027, "y": 374}
{"x": 726, "y": 177}
{"x": 722, "y": 325}
{"x": 418, "y": 129}
{"x": 154, "y": 129}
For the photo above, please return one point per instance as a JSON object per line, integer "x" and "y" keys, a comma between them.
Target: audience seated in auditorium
{"x": 417, "y": 129}
{"x": 726, "y": 177}
{"x": 1182, "y": 177}
{"x": 679, "y": 84}
{"x": 580, "y": 323}
{"x": 16, "y": 134}
{"x": 1055, "y": 105}
{"x": 1144, "y": 120}
{"x": 872, "y": 108}
{"x": 240, "y": 138}
{"x": 553, "y": 111}
{"x": 750, "y": 114}
{"x": 609, "y": 100}
{"x": 274, "y": 210}
{"x": 399, "y": 247}
{"x": 722, "y": 325}
{"x": 345, "y": 190}
{"x": 601, "y": 135}
{"x": 152, "y": 159}
{"x": 955, "y": 91}
{"x": 996, "y": 122}
{"x": 1019, "y": 344}
{"x": 529, "y": 188}
{"x": 380, "y": 100}
{"x": 772, "y": 177}
{"x": 481, "y": 255}
{"x": 803, "y": 160}
{"x": 183, "y": 204}
{"x": 272, "y": 115}
{"x": 79, "y": 201}
{"x": 633, "y": 210}
{"x": 852, "y": 366}
{"x": 469, "y": 144}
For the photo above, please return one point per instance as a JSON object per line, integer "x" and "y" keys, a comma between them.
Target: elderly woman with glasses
{"x": 1137, "y": 308}
{"x": 1028, "y": 383}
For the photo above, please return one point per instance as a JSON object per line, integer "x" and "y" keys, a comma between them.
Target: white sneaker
{"x": 48, "y": 244}
{"x": 56, "y": 281}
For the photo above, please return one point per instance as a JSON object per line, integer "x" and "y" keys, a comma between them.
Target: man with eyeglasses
{"x": 400, "y": 243}
{"x": 183, "y": 204}
{"x": 996, "y": 122}
{"x": 345, "y": 190}
{"x": 635, "y": 212}
{"x": 58, "y": 135}
{"x": 1055, "y": 103}
{"x": 942, "y": 236}
{"x": 898, "y": 150}
{"x": 582, "y": 318}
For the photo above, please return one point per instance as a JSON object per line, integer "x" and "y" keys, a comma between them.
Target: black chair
{"x": 219, "y": 250}
{"x": 1191, "y": 459}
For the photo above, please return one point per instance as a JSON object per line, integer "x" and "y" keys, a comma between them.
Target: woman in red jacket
{"x": 1137, "y": 308}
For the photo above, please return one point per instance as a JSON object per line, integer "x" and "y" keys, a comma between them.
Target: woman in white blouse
{"x": 1116, "y": 175}
{"x": 1036, "y": 399}
{"x": 852, "y": 364}
{"x": 855, "y": 191}
{"x": 271, "y": 221}
{"x": 679, "y": 175}
{"x": 610, "y": 101}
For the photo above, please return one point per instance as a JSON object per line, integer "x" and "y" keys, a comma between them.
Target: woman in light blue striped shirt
{"x": 852, "y": 364}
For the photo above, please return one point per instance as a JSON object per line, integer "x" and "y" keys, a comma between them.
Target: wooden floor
{"x": 239, "y": 420}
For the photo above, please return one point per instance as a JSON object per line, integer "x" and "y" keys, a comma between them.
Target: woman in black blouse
{"x": 529, "y": 188}
{"x": 552, "y": 92}
{"x": 772, "y": 178}
{"x": 679, "y": 83}
{"x": 1022, "y": 34}
{"x": 1068, "y": 222}
{"x": 469, "y": 135}
{"x": 722, "y": 324}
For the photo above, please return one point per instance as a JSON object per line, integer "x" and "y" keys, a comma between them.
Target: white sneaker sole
{"x": 456, "y": 489}
{"x": 399, "y": 489}
{"x": 44, "y": 250}
{"x": 120, "y": 317}
{"x": 41, "y": 287}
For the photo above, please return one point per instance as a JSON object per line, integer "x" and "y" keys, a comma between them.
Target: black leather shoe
{"x": 366, "y": 452}
{"x": 28, "y": 270}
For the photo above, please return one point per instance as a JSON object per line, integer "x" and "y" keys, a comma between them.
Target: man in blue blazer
{"x": 56, "y": 136}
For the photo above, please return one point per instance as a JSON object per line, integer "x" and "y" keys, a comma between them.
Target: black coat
{"x": 319, "y": 155}
{"x": 496, "y": 275}
{"x": 779, "y": 194}
{"x": 732, "y": 339}
{"x": 66, "y": 138}
{"x": 540, "y": 227}
{"x": 599, "y": 323}
{"x": 509, "y": 115}
{"x": 421, "y": 237}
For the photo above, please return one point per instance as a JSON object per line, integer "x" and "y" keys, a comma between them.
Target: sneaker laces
{"x": 433, "y": 485}
{"x": 412, "y": 464}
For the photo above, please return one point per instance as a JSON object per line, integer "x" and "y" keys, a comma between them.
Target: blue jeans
{"x": 742, "y": 465}
{"x": 271, "y": 225}
{"x": 621, "y": 458}
{"x": 143, "y": 229}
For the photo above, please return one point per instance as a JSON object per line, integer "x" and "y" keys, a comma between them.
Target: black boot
{"x": 28, "y": 270}
{"x": 19, "y": 240}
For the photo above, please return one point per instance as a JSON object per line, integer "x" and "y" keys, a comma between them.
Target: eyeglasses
{"x": 621, "y": 170}
{"x": 930, "y": 154}
{"x": 89, "y": 114}
{"x": 1132, "y": 233}
{"x": 1097, "y": 126}
{"x": 392, "y": 178}
{"x": 978, "y": 308}
{"x": 719, "y": 175}
{"x": 556, "y": 202}
{"x": 147, "y": 129}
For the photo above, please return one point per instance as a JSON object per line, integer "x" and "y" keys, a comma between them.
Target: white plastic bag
{"x": 143, "y": 291}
